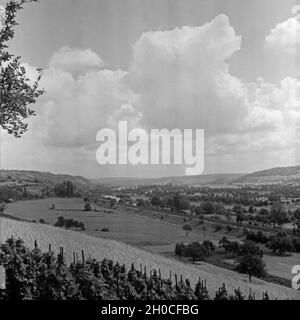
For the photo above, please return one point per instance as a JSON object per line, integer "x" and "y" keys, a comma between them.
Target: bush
{"x": 280, "y": 244}
{"x": 218, "y": 227}
{"x": 229, "y": 228}
{"x": 259, "y": 237}
{"x": 195, "y": 250}
{"x": 69, "y": 223}
{"x": 87, "y": 207}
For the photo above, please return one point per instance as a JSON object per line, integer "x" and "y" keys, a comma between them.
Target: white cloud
{"x": 177, "y": 79}
{"x": 75, "y": 60}
{"x": 182, "y": 78}
{"x": 285, "y": 36}
{"x": 77, "y": 107}
{"x": 296, "y": 9}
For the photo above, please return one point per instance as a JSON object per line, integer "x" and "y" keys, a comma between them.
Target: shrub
{"x": 280, "y": 244}
{"x": 229, "y": 228}
{"x": 259, "y": 237}
{"x": 87, "y": 207}
{"x": 69, "y": 223}
{"x": 218, "y": 227}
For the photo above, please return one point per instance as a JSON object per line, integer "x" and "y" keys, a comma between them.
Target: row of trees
{"x": 32, "y": 274}
{"x": 177, "y": 202}
{"x": 280, "y": 243}
{"x": 64, "y": 189}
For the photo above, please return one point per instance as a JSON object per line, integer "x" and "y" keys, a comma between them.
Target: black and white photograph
{"x": 149, "y": 150}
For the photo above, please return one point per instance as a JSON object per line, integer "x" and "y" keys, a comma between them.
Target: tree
{"x": 180, "y": 249}
{"x": 278, "y": 214}
{"x": 223, "y": 242}
{"x": 184, "y": 204}
{"x": 205, "y": 208}
{"x": 239, "y": 218}
{"x": 250, "y": 260}
{"x": 280, "y": 244}
{"x": 64, "y": 189}
{"x": 233, "y": 247}
{"x": 220, "y": 210}
{"x": 155, "y": 201}
{"x": 296, "y": 221}
{"x": 87, "y": 207}
{"x": 2, "y": 207}
{"x": 16, "y": 90}
{"x": 196, "y": 251}
{"x": 187, "y": 228}
{"x": 180, "y": 202}
{"x": 209, "y": 246}
{"x": 176, "y": 201}
{"x": 263, "y": 212}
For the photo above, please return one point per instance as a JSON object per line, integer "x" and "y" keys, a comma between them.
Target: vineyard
{"x": 33, "y": 274}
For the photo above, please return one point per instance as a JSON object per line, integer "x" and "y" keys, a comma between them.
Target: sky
{"x": 230, "y": 67}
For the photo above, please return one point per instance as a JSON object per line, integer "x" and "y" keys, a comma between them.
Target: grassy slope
{"x": 99, "y": 248}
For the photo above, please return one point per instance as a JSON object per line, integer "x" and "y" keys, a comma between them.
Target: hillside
{"x": 274, "y": 175}
{"x": 100, "y": 248}
{"x": 211, "y": 179}
{"x": 280, "y": 175}
{"x": 25, "y": 176}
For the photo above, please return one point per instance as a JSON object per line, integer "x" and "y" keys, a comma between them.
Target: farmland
{"x": 99, "y": 248}
{"x": 141, "y": 231}
{"x": 144, "y": 229}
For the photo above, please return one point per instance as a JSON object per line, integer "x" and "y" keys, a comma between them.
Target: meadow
{"x": 145, "y": 230}
{"x": 118, "y": 251}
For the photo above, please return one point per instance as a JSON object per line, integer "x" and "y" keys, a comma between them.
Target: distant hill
{"x": 24, "y": 176}
{"x": 280, "y": 175}
{"x": 284, "y": 175}
{"x": 206, "y": 179}
{"x": 275, "y": 175}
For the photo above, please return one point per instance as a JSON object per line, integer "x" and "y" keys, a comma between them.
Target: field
{"x": 138, "y": 230}
{"x": 100, "y": 248}
{"x": 145, "y": 230}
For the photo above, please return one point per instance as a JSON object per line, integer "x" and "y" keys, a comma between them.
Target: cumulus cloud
{"x": 178, "y": 78}
{"x": 75, "y": 60}
{"x": 182, "y": 78}
{"x": 76, "y": 108}
{"x": 285, "y": 36}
